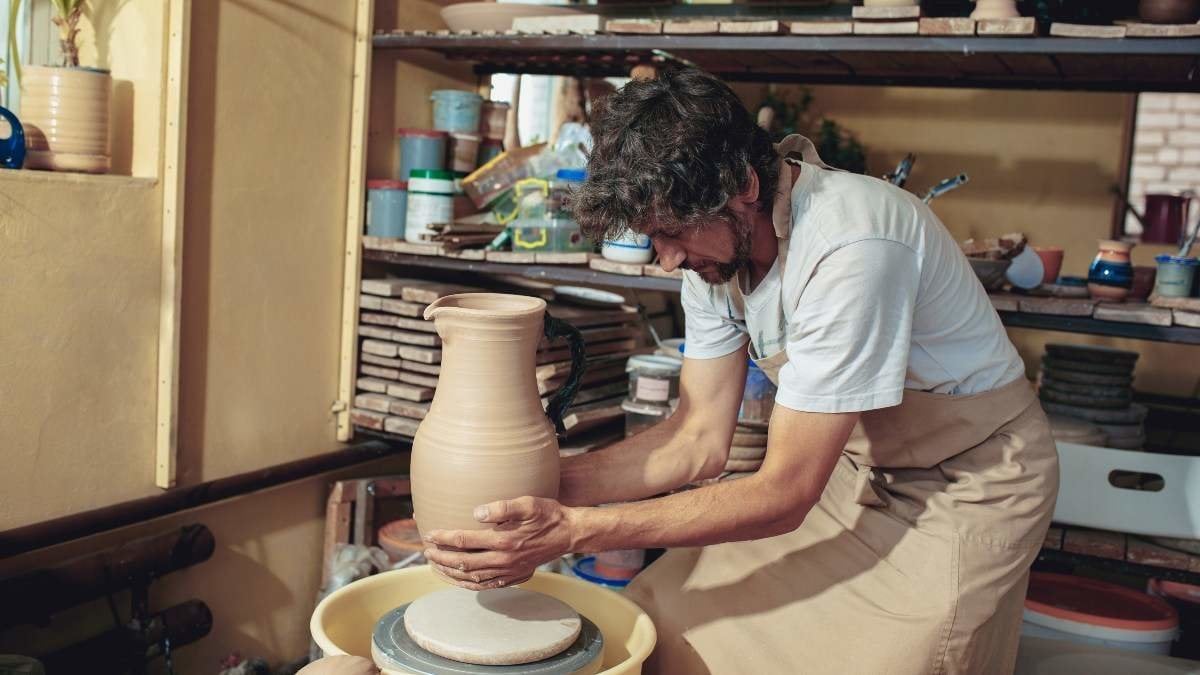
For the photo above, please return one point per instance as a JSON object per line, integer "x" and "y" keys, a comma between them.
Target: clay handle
{"x": 556, "y": 328}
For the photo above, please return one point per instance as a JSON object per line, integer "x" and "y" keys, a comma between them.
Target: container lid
{"x": 649, "y": 363}
{"x": 578, "y": 175}
{"x": 1175, "y": 590}
{"x": 1097, "y": 603}
{"x": 586, "y": 569}
{"x": 455, "y": 93}
{"x": 428, "y": 133}
{"x": 463, "y": 136}
{"x": 1176, "y": 260}
{"x": 386, "y": 184}
{"x": 435, "y": 174}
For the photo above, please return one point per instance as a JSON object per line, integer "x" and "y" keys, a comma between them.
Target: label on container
{"x": 424, "y": 209}
{"x": 652, "y": 389}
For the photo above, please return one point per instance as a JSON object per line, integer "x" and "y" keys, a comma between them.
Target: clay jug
{"x": 486, "y": 436}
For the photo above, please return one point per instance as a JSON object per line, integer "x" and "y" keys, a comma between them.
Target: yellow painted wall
{"x": 1039, "y": 162}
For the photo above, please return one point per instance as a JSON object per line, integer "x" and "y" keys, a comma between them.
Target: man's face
{"x": 716, "y": 251}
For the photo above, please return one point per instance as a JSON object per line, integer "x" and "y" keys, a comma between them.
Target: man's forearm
{"x": 655, "y": 461}
{"x": 750, "y": 508}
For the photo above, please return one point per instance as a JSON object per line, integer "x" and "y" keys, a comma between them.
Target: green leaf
{"x": 14, "y": 8}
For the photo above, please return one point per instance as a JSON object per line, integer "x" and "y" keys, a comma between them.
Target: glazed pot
{"x": 12, "y": 141}
{"x": 487, "y": 437}
{"x": 1169, "y": 11}
{"x": 995, "y": 9}
{"x": 65, "y": 112}
{"x": 1110, "y": 276}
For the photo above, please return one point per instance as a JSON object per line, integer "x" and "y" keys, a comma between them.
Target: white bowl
{"x": 493, "y": 16}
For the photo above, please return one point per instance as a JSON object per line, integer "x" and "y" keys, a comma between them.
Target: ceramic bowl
{"x": 485, "y": 16}
{"x": 1169, "y": 11}
{"x": 990, "y": 272}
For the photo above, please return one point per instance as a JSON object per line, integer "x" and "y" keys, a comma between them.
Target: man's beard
{"x": 742, "y": 240}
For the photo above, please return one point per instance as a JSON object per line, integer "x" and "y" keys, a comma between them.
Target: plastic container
{"x": 622, "y": 564}
{"x": 641, "y": 416}
{"x": 653, "y": 379}
{"x": 420, "y": 149}
{"x": 630, "y": 247}
{"x": 489, "y": 149}
{"x": 456, "y": 110}
{"x": 344, "y": 621}
{"x": 1175, "y": 276}
{"x": 430, "y": 200}
{"x": 543, "y": 220}
{"x": 464, "y": 152}
{"x": 1088, "y": 611}
{"x": 493, "y": 120}
{"x": 387, "y": 207}
{"x": 758, "y": 398}
{"x": 1185, "y": 598}
{"x": 585, "y": 569}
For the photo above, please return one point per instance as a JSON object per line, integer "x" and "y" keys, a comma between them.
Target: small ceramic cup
{"x": 1052, "y": 257}
{"x": 1111, "y": 274}
{"x": 1175, "y": 276}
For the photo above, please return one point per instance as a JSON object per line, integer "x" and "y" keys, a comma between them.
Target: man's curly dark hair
{"x": 668, "y": 155}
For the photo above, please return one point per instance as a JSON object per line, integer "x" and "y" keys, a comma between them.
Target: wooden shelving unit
{"x": 1128, "y": 64}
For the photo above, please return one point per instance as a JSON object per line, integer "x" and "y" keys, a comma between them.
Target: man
{"x": 909, "y": 476}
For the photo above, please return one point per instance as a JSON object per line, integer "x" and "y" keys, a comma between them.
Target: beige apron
{"x": 914, "y": 561}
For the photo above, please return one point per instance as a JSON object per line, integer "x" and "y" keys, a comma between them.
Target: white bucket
{"x": 1087, "y": 611}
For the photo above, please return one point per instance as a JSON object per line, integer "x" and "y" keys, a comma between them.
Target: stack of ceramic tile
{"x": 400, "y": 357}
{"x": 747, "y": 451}
{"x": 1093, "y": 385}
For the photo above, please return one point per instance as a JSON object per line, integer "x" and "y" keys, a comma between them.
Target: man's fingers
{"x": 466, "y": 540}
{"x": 476, "y": 577}
{"x": 466, "y": 562}
{"x": 522, "y": 508}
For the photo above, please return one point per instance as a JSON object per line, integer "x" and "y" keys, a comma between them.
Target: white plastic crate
{"x": 1087, "y": 498}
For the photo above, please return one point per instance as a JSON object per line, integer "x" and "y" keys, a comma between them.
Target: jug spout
{"x": 485, "y": 306}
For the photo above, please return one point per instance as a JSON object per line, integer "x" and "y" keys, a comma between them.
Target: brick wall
{"x": 1166, "y": 150}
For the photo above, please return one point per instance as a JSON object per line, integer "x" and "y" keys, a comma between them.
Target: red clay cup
{"x": 1052, "y": 257}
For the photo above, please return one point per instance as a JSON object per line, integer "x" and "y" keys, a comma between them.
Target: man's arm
{"x": 693, "y": 443}
{"x": 802, "y": 450}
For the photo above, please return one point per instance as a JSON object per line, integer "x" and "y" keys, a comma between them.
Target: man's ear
{"x": 748, "y": 198}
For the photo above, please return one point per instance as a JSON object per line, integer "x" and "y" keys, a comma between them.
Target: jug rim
{"x": 510, "y": 305}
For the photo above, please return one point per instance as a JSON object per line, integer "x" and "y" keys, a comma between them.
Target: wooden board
{"x": 581, "y": 317}
{"x": 368, "y": 419}
{"x": 386, "y": 287}
{"x": 511, "y": 257}
{"x": 886, "y": 13}
{"x": 1078, "y": 30}
{"x": 428, "y": 292}
{"x": 886, "y": 27}
{"x": 401, "y": 336}
{"x": 370, "y": 302}
{"x": 946, "y": 26}
{"x": 767, "y": 27}
{"x": 821, "y": 27}
{"x": 591, "y": 415}
{"x": 418, "y": 379}
{"x": 1185, "y": 318}
{"x": 594, "y": 335}
{"x": 427, "y": 368}
{"x": 402, "y": 246}
{"x": 403, "y": 426}
{"x": 371, "y": 384}
{"x": 580, "y": 24}
{"x": 1025, "y": 25}
{"x": 560, "y": 369}
{"x": 414, "y": 409}
{"x": 1005, "y": 302}
{"x": 414, "y": 310}
{"x": 376, "y": 360}
{"x": 567, "y": 258}
{"x": 467, "y": 254}
{"x": 1155, "y": 30}
{"x": 420, "y": 354}
{"x": 1099, "y": 543}
{"x": 1058, "y": 306}
{"x": 634, "y": 26}
{"x": 653, "y": 270}
{"x": 409, "y": 392}
{"x": 552, "y": 355}
{"x": 1189, "y": 304}
{"x": 380, "y": 348}
{"x": 373, "y": 402}
{"x": 380, "y": 371}
{"x": 691, "y": 27}
{"x": 591, "y": 376}
{"x": 1133, "y": 313}
{"x": 605, "y": 265}
{"x": 375, "y": 332}
{"x": 596, "y": 393}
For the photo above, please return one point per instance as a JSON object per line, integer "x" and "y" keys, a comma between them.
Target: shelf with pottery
{"x": 1122, "y": 553}
{"x": 783, "y": 52}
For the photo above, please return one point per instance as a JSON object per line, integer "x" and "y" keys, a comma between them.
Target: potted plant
{"x": 65, "y": 108}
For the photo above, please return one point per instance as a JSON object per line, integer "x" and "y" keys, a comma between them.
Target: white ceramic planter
{"x": 995, "y": 9}
{"x": 65, "y": 112}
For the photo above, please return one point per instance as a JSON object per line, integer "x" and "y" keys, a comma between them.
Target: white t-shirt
{"x": 874, "y": 297}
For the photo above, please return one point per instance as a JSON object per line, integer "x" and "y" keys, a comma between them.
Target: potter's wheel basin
{"x": 344, "y": 622}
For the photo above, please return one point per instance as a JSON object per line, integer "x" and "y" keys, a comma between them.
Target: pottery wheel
{"x": 502, "y": 626}
{"x": 393, "y": 648}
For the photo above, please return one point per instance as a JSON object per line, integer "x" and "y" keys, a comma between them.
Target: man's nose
{"x": 670, "y": 256}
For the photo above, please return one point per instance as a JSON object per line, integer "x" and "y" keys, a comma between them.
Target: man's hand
{"x": 528, "y": 532}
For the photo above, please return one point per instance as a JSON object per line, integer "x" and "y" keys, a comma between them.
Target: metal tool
{"x": 945, "y": 186}
{"x": 900, "y": 176}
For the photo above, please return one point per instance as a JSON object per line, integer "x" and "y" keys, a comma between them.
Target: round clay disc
{"x": 1092, "y": 354}
{"x": 1048, "y": 394}
{"x": 739, "y": 465}
{"x": 503, "y": 626}
{"x": 1134, "y": 414}
{"x": 739, "y": 452}
{"x": 1098, "y": 390}
{"x": 750, "y": 439}
{"x": 1087, "y": 378}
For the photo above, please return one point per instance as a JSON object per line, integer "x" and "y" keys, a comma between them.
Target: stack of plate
{"x": 747, "y": 452}
{"x": 1094, "y": 384}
